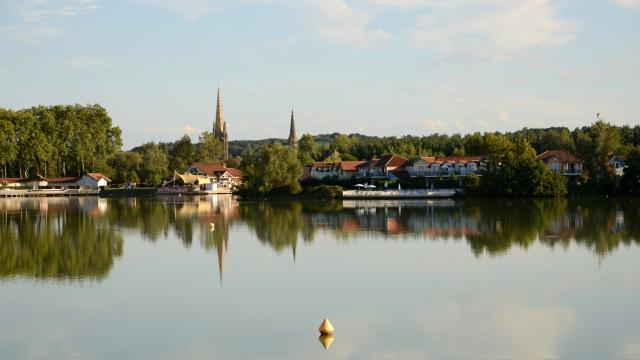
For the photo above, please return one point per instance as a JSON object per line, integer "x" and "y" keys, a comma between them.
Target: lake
{"x": 217, "y": 278}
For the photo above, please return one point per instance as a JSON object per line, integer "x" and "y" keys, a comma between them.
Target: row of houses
{"x": 85, "y": 181}
{"x": 392, "y": 167}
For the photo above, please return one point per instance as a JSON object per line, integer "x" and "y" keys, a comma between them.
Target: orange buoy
{"x": 326, "y": 328}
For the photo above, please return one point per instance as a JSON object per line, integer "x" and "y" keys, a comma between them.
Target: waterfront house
{"x": 86, "y": 181}
{"x": 563, "y": 163}
{"x": 618, "y": 164}
{"x": 389, "y": 167}
{"x": 13, "y": 182}
{"x": 432, "y": 166}
{"x": 341, "y": 170}
{"x": 217, "y": 173}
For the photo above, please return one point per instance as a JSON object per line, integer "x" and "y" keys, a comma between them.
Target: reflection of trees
{"x": 151, "y": 218}
{"x": 61, "y": 243}
{"x": 277, "y": 224}
{"x": 494, "y": 226}
{"x": 606, "y": 225}
{"x": 78, "y": 238}
{"x": 513, "y": 222}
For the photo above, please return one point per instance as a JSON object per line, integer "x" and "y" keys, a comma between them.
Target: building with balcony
{"x": 431, "y": 166}
{"x": 386, "y": 167}
{"x": 618, "y": 164}
{"x": 563, "y": 163}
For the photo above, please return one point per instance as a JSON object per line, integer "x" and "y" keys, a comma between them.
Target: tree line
{"x": 67, "y": 140}
{"x": 511, "y": 168}
{"x": 61, "y": 140}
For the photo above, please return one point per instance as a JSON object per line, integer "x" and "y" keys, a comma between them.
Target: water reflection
{"x": 326, "y": 341}
{"x": 57, "y": 239}
{"x": 79, "y": 238}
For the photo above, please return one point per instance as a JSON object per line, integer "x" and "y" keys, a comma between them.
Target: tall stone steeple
{"x": 293, "y": 141}
{"x": 220, "y": 128}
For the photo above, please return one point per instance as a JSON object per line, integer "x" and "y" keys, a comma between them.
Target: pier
{"x": 4, "y": 193}
{"x": 399, "y": 194}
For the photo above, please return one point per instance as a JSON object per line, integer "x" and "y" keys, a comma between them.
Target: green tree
{"x": 307, "y": 149}
{"x": 630, "y": 182}
{"x": 518, "y": 174}
{"x": 273, "y": 167}
{"x": 596, "y": 144}
{"x": 342, "y": 143}
{"x": 181, "y": 154}
{"x": 8, "y": 148}
{"x": 208, "y": 148}
{"x": 126, "y": 166}
{"x": 334, "y": 157}
{"x": 155, "y": 164}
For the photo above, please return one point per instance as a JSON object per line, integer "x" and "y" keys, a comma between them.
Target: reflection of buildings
{"x": 433, "y": 218}
{"x": 219, "y": 210}
{"x": 565, "y": 225}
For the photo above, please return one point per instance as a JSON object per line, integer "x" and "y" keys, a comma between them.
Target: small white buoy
{"x": 326, "y": 328}
{"x": 212, "y": 226}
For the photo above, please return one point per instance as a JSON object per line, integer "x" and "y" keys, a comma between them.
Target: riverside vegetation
{"x": 66, "y": 140}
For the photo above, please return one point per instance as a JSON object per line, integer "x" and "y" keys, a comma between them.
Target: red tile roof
{"x": 563, "y": 155}
{"x": 393, "y": 160}
{"x": 235, "y": 172}
{"x": 98, "y": 176}
{"x": 209, "y": 168}
{"x": 320, "y": 165}
{"x": 450, "y": 159}
{"x": 387, "y": 160}
{"x": 217, "y": 169}
{"x": 71, "y": 179}
{"x": 350, "y": 165}
{"x": 12, "y": 180}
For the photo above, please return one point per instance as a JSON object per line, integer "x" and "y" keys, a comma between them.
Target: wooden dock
{"x": 399, "y": 194}
{"x": 4, "y": 193}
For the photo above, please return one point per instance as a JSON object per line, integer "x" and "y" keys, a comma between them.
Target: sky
{"x": 377, "y": 67}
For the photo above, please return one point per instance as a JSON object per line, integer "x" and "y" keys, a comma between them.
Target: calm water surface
{"x": 89, "y": 278}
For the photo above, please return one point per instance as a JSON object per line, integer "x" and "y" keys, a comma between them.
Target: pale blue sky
{"x": 380, "y": 67}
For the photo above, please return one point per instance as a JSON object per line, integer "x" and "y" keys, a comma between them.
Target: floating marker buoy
{"x": 326, "y": 328}
{"x": 326, "y": 340}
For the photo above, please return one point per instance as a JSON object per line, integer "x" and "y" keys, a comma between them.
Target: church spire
{"x": 293, "y": 141}
{"x": 220, "y": 128}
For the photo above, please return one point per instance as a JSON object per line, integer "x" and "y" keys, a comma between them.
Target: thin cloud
{"x": 190, "y": 130}
{"x": 27, "y": 32}
{"x": 504, "y": 116}
{"x": 408, "y": 4}
{"x": 37, "y": 18}
{"x": 90, "y": 62}
{"x": 38, "y": 11}
{"x": 628, "y": 3}
{"x": 191, "y": 10}
{"x": 488, "y": 29}
{"x": 433, "y": 124}
{"x": 337, "y": 20}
